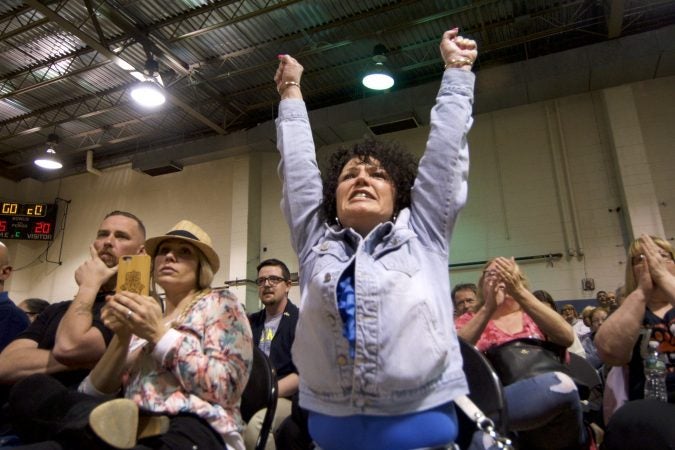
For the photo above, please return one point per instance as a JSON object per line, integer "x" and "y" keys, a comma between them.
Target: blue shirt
{"x": 12, "y": 320}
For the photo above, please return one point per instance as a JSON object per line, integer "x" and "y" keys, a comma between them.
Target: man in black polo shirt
{"x": 273, "y": 332}
{"x": 68, "y": 338}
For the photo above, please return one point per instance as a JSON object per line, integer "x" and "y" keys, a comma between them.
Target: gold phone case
{"x": 133, "y": 274}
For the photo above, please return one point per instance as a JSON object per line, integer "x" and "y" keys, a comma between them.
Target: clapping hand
{"x": 509, "y": 273}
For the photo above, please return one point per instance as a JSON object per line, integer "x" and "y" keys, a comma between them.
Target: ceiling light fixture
{"x": 149, "y": 92}
{"x": 49, "y": 160}
{"x": 378, "y": 77}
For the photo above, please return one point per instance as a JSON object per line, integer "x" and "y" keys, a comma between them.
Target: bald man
{"x": 12, "y": 319}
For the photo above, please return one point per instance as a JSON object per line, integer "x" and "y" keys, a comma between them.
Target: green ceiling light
{"x": 378, "y": 77}
{"x": 48, "y": 160}
{"x": 149, "y": 92}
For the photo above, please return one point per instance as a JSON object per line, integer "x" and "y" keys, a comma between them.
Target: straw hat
{"x": 188, "y": 232}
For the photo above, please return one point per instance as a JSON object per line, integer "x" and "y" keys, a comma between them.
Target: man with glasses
{"x": 273, "y": 332}
{"x": 12, "y": 319}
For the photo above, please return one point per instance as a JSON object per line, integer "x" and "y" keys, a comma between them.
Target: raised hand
{"x": 93, "y": 272}
{"x": 287, "y": 77}
{"x": 457, "y": 51}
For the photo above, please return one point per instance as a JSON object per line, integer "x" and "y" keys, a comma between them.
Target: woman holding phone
{"x": 188, "y": 361}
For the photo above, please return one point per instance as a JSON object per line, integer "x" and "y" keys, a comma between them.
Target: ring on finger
{"x": 129, "y": 314}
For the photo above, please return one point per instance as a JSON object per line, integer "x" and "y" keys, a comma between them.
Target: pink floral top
{"x": 492, "y": 335}
{"x": 201, "y": 367}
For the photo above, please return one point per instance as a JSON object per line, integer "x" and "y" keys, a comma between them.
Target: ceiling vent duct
{"x": 159, "y": 168}
{"x": 393, "y": 125}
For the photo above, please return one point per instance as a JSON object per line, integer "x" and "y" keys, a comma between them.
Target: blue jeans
{"x": 546, "y": 412}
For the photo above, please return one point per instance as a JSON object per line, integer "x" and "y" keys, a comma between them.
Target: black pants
{"x": 50, "y": 416}
{"x": 293, "y": 433}
{"x": 641, "y": 424}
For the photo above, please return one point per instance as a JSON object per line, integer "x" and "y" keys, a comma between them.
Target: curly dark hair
{"x": 400, "y": 165}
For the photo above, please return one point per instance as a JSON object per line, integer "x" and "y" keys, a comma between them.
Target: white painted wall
{"x": 519, "y": 203}
{"x": 200, "y": 193}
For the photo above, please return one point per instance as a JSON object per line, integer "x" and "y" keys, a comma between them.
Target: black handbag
{"x": 526, "y": 357}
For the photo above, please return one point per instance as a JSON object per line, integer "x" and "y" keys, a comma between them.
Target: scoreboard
{"x": 28, "y": 221}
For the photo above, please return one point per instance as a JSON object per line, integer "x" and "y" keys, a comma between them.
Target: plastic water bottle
{"x": 655, "y": 374}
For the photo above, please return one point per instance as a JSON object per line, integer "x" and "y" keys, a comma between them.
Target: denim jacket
{"x": 407, "y": 357}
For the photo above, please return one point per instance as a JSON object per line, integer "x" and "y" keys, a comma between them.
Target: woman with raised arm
{"x": 375, "y": 346}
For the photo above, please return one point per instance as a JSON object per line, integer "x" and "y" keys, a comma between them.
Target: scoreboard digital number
{"x": 27, "y": 221}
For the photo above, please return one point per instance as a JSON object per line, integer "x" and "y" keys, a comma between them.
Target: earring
{"x": 394, "y": 217}
{"x": 337, "y": 221}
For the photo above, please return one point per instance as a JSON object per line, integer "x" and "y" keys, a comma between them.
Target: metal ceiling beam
{"x": 204, "y": 9}
{"x": 162, "y": 52}
{"x": 485, "y": 49}
{"x": 311, "y": 30}
{"x": 232, "y": 21}
{"x": 121, "y": 63}
{"x": 22, "y": 29}
{"x": 67, "y": 112}
{"x": 39, "y": 81}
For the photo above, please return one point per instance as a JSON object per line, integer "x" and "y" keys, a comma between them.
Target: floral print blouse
{"x": 201, "y": 366}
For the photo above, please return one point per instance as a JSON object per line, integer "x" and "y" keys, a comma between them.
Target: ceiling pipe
{"x": 90, "y": 163}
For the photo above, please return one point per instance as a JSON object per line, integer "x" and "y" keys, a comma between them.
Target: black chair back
{"x": 260, "y": 393}
{"x": 485, "y": 390}
{"x": 583, "y": 372}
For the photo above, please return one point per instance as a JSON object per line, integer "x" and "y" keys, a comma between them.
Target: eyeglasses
{"x": 637, "y": 259}
{"x": 273, "y": 279}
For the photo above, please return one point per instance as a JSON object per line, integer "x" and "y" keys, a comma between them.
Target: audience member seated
{"x": 190, "y": 362}
{"x": 620, "y": 293}
{"x": 547, "y": 299}
{"x": 68, "y": 338}
{"x": 586, "y": 315}
{"x": 601, "y": 298}
{"x": 598, "y": 316}
{"x": 611, "y": 303}
{"x": 544, "y": 409}
{"x": 569, "y": 313}
{"x": 33, "y": 307}
{"x": 12, "y": 319}
{"x": 464, "y": 298}
{"x": 646, "y": 314}
{"x": 273, "y": 330}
